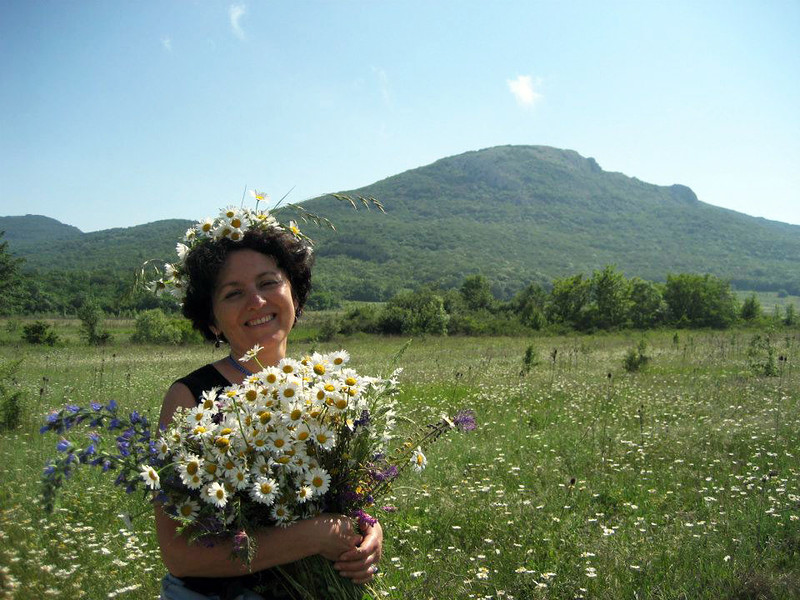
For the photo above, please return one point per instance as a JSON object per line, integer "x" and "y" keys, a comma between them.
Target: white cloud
{"x": 522, "y": 89}
{"x": 236, "y": 12}
{"x": 166, "y": 41}
{"x": 383, "y": 84}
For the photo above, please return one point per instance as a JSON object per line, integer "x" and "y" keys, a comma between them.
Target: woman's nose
{"x": 256, "y": 299}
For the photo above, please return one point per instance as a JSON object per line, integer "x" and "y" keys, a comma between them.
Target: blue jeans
{"x": 172, "y": 588}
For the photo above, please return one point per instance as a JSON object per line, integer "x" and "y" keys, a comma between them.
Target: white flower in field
{"x": 264, "y": 490}
{"x": 251, "y": 354}
{"x": 270, "y": 376}
{"x": 162, "y": 448}
{"x": 280, "y": 440}
{"x": 301, "y": 433}
{"x": 188, "y": 509}
{"x": 204, "y": 227}
{"x": 293, "y": 414}
{"x": 151, "y": 478}
{"x": 190, "y": 471}
{"x": 237, "y": 477}
{"x": 280, "y": 512}
{"x": 482, "y": 573}
{"x": 304, "y": 494}
{"x": 339, "y": 358}
{"x": 260, "y": 441}
{"x": 591, "y": 572}
{"x": 208, "y": 398}
{"x": 318, "y": 480}
{"x": 215, "y": 494}
{"x": 182, "y": 250}
{"x": 289, "y": 366}
{"x": 324, "y": 437}
{"x": 261, "y": 466}
{"x": 289, "y": 389}
{"x": 418, "y": 460}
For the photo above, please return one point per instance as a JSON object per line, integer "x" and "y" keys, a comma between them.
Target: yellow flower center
{"x": 191, "y": 468}
{"x": 319, "y": 369}
{"x": 186, "y": 510}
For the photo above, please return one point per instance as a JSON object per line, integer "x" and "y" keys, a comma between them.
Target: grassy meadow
{"x": 582, "y": 480}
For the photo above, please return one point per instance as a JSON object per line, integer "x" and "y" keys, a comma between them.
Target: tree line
{"x": 606, "y": 300}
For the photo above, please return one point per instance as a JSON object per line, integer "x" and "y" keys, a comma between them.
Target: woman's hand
{"x": 335, "y": 535}
{"x": 360, "y": 564}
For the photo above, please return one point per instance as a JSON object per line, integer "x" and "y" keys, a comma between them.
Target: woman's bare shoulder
{"x": 177, "y": 396}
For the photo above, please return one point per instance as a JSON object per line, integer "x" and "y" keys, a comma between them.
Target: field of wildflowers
{"x": 582, "y": 480}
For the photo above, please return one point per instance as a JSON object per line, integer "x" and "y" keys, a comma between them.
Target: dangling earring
{"x": 217, "y": 342}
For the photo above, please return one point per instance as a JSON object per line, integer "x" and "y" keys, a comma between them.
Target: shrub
{"x": 39, "y": 332}
{"x": 154, "y": 327}
{"x": 635, "y": 360}
{"x": 761, "y": 355}
{"x": 10, "y": 397}
{"x": 530, "y": 360}
{"x": 91, "y": 320}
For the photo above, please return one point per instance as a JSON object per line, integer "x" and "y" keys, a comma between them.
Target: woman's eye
{"x": 231, "y": 294}
{"x": 269, "y": 283}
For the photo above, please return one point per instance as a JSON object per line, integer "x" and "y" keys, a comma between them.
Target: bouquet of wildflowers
{"x": 290, "y": 442}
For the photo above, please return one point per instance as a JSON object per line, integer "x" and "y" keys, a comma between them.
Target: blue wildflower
{"x": 63, "y": 445}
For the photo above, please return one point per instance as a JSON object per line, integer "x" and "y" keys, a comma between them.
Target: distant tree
{"x": 647, "y": 304}
{"x": 9, "y": 278}
{"x": 790, "y": 315}
{"x": 568, "y": 300}
{"x": 751, "y": 308}
{"x": 610, "y": 295}
{"x": 529, "y": 305}
{"x": 699, "y": 301}
{"x": 414, "y": 312}
{"x": 477, "y": 292}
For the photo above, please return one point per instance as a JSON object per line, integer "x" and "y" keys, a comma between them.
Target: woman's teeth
{"x": 262, "y": 320}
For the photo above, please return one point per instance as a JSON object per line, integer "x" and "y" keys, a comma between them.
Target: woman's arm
{"x": 329, "y": 535}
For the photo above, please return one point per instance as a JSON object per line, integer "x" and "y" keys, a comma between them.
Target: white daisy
{"x": 264, "y": 490}
{"x": 418, "y": 460}
{"x": 151, "y": 478}
{"x": 215, "y": 494}
{"x": 304, "y": 494}
{"x": 188, "y": 509}
{"x": 318, "y": 480}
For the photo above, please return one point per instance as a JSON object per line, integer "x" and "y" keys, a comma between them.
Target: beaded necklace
{"x": 238, "y": 366}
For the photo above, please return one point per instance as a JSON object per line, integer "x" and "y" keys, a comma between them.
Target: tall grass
{"x": 583, "y": 480}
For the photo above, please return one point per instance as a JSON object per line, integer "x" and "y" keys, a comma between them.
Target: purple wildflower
{"x": 389, "y": 508}
{"x": 63, "y": 445}
{"x": 465, "y": 420}
{"x": 364, "y": 519}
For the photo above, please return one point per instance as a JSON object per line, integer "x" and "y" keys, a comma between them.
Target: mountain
{"x": 528, "y": 213}
{"x": 46, "y": 244}
{"x": 514, "y": 213}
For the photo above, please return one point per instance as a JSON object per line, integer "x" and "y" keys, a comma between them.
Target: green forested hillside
{"x": 514, "y": 213}
{"x": 527, "y": 213}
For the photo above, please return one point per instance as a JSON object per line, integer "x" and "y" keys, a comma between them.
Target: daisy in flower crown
{"x": 243, "y": 279}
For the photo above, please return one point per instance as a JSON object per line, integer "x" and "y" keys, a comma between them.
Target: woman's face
{"x": 253, "y": 304}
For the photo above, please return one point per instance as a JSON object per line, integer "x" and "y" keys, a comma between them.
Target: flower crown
{"x": 232, "y": 223}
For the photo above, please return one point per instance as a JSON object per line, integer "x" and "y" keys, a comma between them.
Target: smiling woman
{"x": 246, "y": 286}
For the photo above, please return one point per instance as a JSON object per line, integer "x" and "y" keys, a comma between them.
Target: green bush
{"x": 10, "y": 396}
{"x": 761, "y": 355}
{"x": 39, "y": 332}
{"x": 636, "y": 359}
{"x": 154, "y": 327}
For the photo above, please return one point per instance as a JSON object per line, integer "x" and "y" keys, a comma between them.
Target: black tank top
{"x": 199, "y": 381}
{"x": 203, "y": 379}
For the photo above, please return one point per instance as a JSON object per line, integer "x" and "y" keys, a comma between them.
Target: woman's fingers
{"x": 361, "y": 564}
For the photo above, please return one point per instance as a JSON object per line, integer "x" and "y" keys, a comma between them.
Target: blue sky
{"x": 118, "y": 113}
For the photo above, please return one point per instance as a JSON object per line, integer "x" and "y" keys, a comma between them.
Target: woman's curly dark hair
{"x": 204, "y": 262}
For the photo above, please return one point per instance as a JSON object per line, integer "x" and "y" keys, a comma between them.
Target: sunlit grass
{"x": 582, "y": 480}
